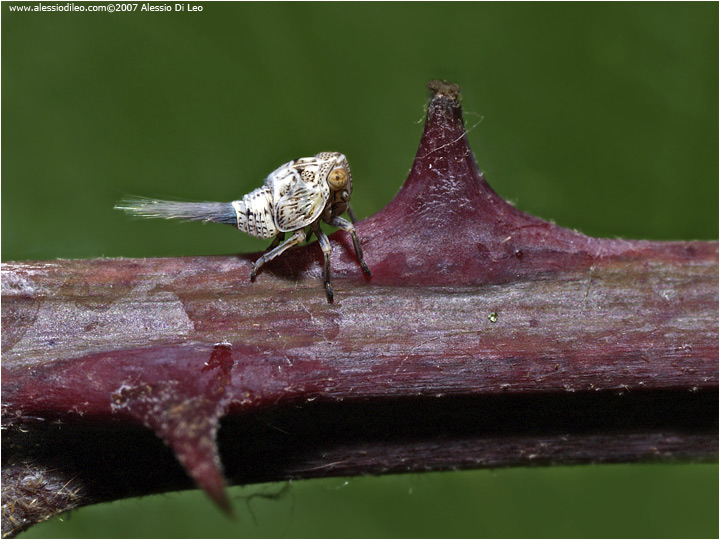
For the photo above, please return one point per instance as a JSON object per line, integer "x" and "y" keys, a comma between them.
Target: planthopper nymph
{"x": 298, "y": 194}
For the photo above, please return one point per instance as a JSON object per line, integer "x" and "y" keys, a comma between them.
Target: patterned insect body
{"x": 294, "y": 195}
{"x": 298, "y": 194}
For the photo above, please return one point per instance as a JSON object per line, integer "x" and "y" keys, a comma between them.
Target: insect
{"x": 298, "y": 194}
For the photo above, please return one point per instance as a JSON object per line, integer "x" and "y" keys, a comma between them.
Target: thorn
{"x": 200, "y": 459}
{"x": 187, "y": 426}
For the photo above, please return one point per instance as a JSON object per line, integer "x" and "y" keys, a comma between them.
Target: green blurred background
{"x": 602, "y": 117}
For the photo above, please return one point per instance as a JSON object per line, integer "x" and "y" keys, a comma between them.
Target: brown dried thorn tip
{"x": 445, "y": 88}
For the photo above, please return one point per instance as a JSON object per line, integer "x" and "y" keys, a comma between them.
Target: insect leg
{"x": 352, "y": 215}
{"x": 297, "y": 237}
{"x": 278, "y": 238}
{"x": 346, "y": 226}
{"x": 324, "y": 242}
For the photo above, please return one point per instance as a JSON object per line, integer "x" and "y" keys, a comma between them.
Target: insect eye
{"x": 337, "y": 178}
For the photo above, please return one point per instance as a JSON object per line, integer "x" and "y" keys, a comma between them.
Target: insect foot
{"x": 295, "y": 196}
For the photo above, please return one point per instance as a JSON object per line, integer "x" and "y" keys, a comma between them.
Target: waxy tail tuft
{"x": 187, "y": 211}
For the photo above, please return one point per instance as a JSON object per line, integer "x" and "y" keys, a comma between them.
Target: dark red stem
{"x": 485, "y": 337}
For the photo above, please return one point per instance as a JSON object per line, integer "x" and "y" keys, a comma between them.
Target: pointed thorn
{"x": 202, "y": 464}
{"x": 220, "y": 498}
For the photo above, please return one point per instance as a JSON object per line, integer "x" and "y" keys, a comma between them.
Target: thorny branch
{"x": 486, "y": 337}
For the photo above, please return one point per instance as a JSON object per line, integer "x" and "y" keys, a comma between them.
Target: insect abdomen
{"x": 254, "y": 213}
